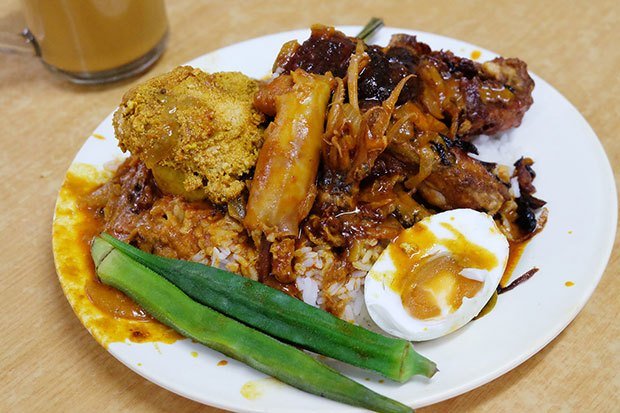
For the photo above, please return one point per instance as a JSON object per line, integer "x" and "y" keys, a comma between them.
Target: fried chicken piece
{"x": 469, "y": 97}
{"x": 465, "y": 183}
{"x": 486, "y": 98}
{"x": 197, "y": 132}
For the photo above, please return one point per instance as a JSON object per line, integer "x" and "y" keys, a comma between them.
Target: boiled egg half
{"x": 437, "y": 275}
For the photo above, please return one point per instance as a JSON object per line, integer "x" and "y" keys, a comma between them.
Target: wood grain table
{"x": 49, "y": 362}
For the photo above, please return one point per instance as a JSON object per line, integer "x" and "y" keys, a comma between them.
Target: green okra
{"x": 171, "y": 306}
{"x": 285, "y": 317}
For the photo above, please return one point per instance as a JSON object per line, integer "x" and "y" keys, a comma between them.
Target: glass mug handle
{"x": 22, "y": 43}
{"x": 25, "y": 43}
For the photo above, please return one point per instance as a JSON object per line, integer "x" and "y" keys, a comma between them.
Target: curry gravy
{"x": 106, "y": 312}
{"x": 515, "y": 252}
{"x": 419, "y": 278}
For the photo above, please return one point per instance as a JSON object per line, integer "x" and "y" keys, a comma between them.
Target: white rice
{"x": 503, "y": 149}
{"x": 309, "y": 290}
{"x": 313, "y": 265}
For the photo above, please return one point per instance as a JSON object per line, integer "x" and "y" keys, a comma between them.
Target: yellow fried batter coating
{"x": 198, "y": 132}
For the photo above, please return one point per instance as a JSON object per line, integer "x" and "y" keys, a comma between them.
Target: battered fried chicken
{"x": 197, "y": 132}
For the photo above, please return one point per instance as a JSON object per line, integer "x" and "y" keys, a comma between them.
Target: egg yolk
{"x": 429, "y": 283}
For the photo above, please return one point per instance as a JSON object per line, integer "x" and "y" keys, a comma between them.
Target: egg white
{"x": 385, "y": 305}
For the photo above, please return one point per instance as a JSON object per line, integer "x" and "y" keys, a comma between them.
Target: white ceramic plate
{"x": 574, "y": 175}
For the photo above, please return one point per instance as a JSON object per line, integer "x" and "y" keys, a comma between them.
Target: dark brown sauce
{"x": 290, "y": 288}
{"x": 515, "y": 252}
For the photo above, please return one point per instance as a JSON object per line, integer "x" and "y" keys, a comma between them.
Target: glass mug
{"x": 93, "y": 41}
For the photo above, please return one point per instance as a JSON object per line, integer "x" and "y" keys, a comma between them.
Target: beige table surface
{"x": 49, "y": 362}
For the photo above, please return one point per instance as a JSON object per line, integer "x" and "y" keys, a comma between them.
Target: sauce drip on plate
{"x": 107, "y": 313}
{"x": 515, "y": 252}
